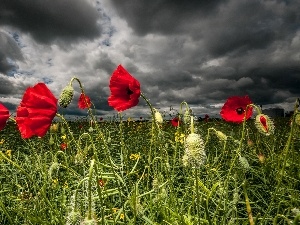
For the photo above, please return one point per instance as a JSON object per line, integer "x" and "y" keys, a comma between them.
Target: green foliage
{"x": 131, "y": 172}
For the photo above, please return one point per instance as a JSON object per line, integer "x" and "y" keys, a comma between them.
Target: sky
{"x": 197, "y": 51}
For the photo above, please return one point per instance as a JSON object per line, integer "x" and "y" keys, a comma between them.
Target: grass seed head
{"x": 194, "y": 151}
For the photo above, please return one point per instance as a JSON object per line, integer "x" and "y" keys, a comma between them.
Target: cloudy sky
{"x": 197, "y": 51}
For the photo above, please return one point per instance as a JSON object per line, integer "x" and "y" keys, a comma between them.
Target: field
{"x": 135, "y": 172}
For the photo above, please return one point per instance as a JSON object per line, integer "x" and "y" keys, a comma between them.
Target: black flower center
{"x": 240, "y": 111}
{"x": 129, "y": 92}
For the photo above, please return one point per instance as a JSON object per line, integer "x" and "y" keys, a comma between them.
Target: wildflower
{"x": 2, "y": 141}
{"x": 84, "y": 101}
{"x": 101, "y": 182}
{"x": 66, "y": 96}
{"x": 54, "y": 128}
{"x": 158, "y": 116}
{"x": 64, "y": 137}
{"x": 179, "y": 137}
{"x": 175, "y": 122}
{"x": 194, "y": 150}
{"x": 8, "y": 153}
{"x": 261, "y": 158}
{"x": 101, "y": 118}
{"x": 264, "y": 124}
{"x": 55, "y": 181}
{"x": 125, "y": 90}
{"x": 63, "y": 146}
{"x": 115, "y": 210}
{"x": 134, "y": 156}
{"x": 122, "y": 216}
{"x": 36, "y": 111}
{"x": 234, "y": 109}
{"x": 4, "y": 115}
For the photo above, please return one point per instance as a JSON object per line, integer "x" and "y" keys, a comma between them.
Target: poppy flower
{"x": 36, "y": 111}
{"x": 101, "y": 182}
{"x": 125, "y": 90}
{"x": 264, "y": 124}
{"x": 234, "y": 109}
{"x": 63, "y": 146}
{"x": 206, "y": 117}
{"x": 175, "y": 122}
{"x": 4, "y": 115}
{"x": 84, "y": 101}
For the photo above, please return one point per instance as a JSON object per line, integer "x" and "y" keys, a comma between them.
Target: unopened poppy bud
{"x": 297, "y": 119}
{"x": 264, "y": 124}
{"x": 221, "y": 136}
{"x": 186, "y": 117}
{"x": 66, "y": 96}
{"x": 244, "y": 163}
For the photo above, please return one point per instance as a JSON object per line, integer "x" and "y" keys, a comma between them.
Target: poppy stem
{"x": 258, "y": 109}
{"x": 153, "y": 123}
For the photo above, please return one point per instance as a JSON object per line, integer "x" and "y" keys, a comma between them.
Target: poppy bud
{"x": 186, "y": 117}
{"x": 66, "y": 96}
{"x": 264, "y": 124}
{"x": 244, "y": 163}
{"x": 221, "y": 136}
{"x": 297, "y": 119}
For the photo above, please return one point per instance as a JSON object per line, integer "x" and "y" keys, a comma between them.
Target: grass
{"x": 120, "y": 172}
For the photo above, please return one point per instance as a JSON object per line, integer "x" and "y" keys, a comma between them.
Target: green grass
{"x": 142, "y": 176}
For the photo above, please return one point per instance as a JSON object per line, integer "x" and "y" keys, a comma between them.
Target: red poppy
{"x": 36, "y": 111}
{"x": 101, "y": 118}
{"x": 263, "y": 122}
{"x": 235, "y": 107}
{"x": 175, "y": 122}
{"x": 84, "y": 101}
{"x": 101, "y": 182}
{"x": 4, "y": 115}
{"x": 206, "y": 117}
{"x": 125, "y": 90}
{"x": 63, "y": 146}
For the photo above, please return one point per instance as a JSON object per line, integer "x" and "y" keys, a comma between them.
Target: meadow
{"x": 241, "y": 169}
{"x": 132, "y": 172}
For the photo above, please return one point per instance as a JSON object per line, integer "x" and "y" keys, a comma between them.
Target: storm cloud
{"x": 201, "y": 52}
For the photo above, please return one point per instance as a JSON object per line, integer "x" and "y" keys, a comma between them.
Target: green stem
{"x": 197, "y": 195}
{"x": 248, "y": 207}
{"x": 2, "y": 206}
{"x": 90, "y": 190}
{"x": 285, "y": 155}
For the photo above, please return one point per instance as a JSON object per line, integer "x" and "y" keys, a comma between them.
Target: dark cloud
{"x": 163, "y": 16}
{"x": 49, "y": 20}
{"x": 224, "y": 26}
{"x": 9, "y": 53}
